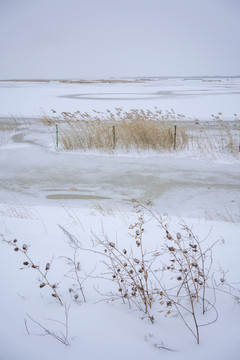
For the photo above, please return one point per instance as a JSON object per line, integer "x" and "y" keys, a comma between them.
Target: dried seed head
{"x": 179, "y": 236}
{"x": 70, "y": 290}
{"x": 171, "y": 248}
{"x": 112, "y": 244}
{"x": 194, "y": 246}
{"x": 76, "y": 296}
{"x": 124, "y": 251}
{"x": 24, "y": 247}
{"x": 54, "y": 286}
{"x": 15, "y": 240}
{"x": 105, "y": 250}
{"x": 16, "y": 249}
{"x": 42, "y": 285}
{"x": 136, "y": 261}
{"x": 120, "y": 289}
{"x": 179, "y": 278}
{"x": 131, "y": 271}
{"x": 34, "y": 266}
{"x": 114, "y": 276}
{"x": 138, "y": 243}
{"x": 26, "y": 263}
{"x": 118, "y": 270}
{"x": 125, "y": 264}
{"x": 47, "y": 266}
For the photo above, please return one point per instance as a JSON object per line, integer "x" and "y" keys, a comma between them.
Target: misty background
{"x": 53, "y": 39}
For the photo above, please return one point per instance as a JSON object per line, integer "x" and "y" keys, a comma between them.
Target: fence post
{"x": 114, "y": 137}
{"x": 56, "y": 135}
{"x": 175, "y": 137}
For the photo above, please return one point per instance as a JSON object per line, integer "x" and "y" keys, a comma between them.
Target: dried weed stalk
{"x": 172, "y": 279}
{"x": 61, "y": 336}
{"x": 30, "y": 264}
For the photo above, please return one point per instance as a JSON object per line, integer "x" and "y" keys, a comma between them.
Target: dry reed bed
{"x": 139, "y": 130}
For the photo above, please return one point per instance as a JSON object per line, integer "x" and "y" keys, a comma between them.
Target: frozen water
{"x": 192, "y": 97}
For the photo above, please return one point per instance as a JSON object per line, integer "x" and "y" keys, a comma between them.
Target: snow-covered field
{"x": 85, "y": 193}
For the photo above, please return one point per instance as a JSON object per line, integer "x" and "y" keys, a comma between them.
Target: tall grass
{"x": 139, "y": 130}
{"x": 125, "y": 131}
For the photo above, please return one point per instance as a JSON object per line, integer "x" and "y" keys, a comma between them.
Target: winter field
{"x": 116, "y": 244}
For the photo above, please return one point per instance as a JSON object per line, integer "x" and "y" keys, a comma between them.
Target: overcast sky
{"x": 118, "y": 38}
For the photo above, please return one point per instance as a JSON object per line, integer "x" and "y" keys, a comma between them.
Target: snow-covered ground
{"x": 42, "y": 188}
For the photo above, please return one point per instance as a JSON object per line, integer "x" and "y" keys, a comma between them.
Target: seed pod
{"x": 76, "y": 296}
{"x": 54, "y": 295}
{"x": 54, "y": 286}
{"x": 179, "y": 236}
{"x": 120, "y": 289}
{"x": 15, "y": 240}
{"x": 124, "y": 251}
{"x": 70, "y": 290}
{"x": 26, "y": 263}
{"x": 24, "y": 247}
{"x": 42, "y": 285}
{"x": 112, "y": 244}
{"x": 125, "y": 264}
{"x": 179, "y": 278}
{"x": 136, "y": 261}
{"x": 34, "y": 266}
{"x": 47, "y": 266}
{"x": 114, "y": 276}
{"x": 16, "y": 249}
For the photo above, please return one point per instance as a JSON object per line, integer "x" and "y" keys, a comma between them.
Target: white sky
{"x": 104, "y": 38}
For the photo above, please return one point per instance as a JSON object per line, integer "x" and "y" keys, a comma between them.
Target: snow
{"x": 197, "y": 98}
{"x": 41, "y": 188}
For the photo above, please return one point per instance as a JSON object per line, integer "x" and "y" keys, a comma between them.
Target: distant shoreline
{"x": 127, "y": 80}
